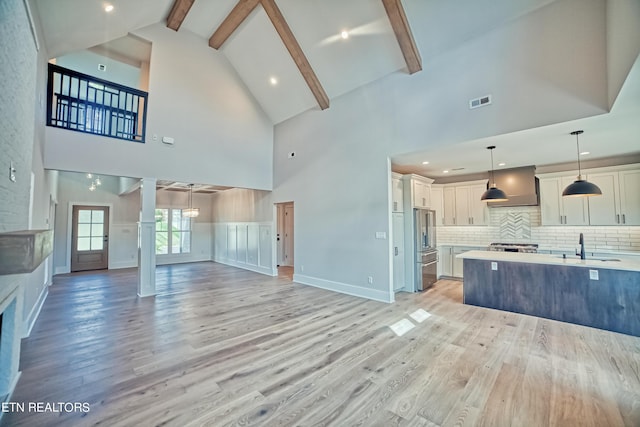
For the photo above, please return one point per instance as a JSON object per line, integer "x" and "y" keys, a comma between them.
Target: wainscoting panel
{"x": 246, "y": 245}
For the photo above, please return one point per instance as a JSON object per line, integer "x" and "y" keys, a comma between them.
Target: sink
{"x": 590, "y": 258}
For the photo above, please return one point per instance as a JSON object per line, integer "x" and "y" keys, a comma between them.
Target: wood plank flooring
{"x": 219, "y": 346}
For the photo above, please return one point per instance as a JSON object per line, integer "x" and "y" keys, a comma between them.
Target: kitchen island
{"x": 602, "y": 293}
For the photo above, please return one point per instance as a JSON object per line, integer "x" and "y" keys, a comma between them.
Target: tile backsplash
{"x": 523, "y": 224}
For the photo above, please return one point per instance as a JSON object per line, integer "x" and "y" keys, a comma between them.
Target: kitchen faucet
{"x": 581, "y": 241}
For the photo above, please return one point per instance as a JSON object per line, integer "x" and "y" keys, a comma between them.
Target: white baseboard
{"x": 344, "y": 288}
{"x": 244, "y": 266}
{"x": 123, "y": 264}
{"x": 61, "y": 270}
{"x": 35, "y": 312}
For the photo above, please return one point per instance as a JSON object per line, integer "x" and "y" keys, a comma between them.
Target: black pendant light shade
{"x": 493, "y": 194}
{"x": 580, "y": 187}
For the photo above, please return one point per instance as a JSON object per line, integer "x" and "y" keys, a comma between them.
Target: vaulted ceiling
{"x": 292, "y": 57}
{"x": 291, "y": 54}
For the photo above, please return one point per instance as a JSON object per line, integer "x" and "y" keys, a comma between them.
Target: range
{"x": 530, "y": 248}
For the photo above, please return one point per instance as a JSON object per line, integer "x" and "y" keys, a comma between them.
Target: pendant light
{"x": 580, "y": 187}
{"x": 493, "y": 194}
{"x": 191, "y": 212}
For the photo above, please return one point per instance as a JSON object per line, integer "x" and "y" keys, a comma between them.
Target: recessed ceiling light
{"x": 425, "y": 163}
{"x": 344, "y": 34}
{"x": 108, "y": 8}
{"x": 273, "y": 81}
{"x": 584, "y": 153}
{"x": 501, "y": 164}
{"x": 446, "y": 171}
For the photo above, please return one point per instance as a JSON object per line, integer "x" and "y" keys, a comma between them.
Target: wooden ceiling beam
{"x": 298, "y": 56}
{"x": 401, "y": 28}
{"x": 232, "y": 22}
{"x": 178, "y": 13}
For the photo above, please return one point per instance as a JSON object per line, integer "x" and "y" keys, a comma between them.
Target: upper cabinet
{"x": 619, "y": 203}
{"x": 462, "y": 204}
{"x": 397, "y": 192}
{"x": 437, "y": 203}
{"x": 417, "y": 191}
{"x": 470, "y": 210}
{"x": 449, "y": 205}
{"x": 558, "y": 210}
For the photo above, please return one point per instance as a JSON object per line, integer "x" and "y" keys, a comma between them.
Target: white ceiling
{"x": 370, "y": 53}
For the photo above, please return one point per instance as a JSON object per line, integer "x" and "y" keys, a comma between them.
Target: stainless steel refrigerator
{"x": 426, "y": 254}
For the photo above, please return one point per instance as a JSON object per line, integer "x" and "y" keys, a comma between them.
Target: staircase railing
{"x": 84, "y": 103}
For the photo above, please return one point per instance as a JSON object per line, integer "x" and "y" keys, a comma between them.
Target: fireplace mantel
{"x": 23, "y": 251}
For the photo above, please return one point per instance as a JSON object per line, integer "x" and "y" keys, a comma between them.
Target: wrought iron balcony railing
{"x": 83, "y": 103}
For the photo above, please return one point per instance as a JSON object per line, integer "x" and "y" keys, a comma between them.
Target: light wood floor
{"x": 221, "y": 346}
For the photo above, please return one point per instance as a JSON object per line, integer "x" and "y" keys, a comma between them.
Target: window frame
{"x": 171, "y": 233}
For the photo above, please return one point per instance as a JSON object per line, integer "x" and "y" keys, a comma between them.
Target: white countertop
{"x": 624, "y": 264}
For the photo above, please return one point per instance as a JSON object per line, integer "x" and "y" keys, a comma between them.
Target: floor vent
{"x": 480, "y": 102}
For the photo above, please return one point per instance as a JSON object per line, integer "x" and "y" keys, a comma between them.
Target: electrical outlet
{"x": 593, "y": 275}
{"x": 302, "y": 268}
{"x": 370, "y": 280}
{"x": 494, "y": 266}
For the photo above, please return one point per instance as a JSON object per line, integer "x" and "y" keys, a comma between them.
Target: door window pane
{"x": 96, "y": 243}
{"x": 84, "y": 216}
{"x": 97, "y": 217}
{"x": 97, "y": 230}
{"x": 84, "y": 230}
{"x": 84, "y": 243}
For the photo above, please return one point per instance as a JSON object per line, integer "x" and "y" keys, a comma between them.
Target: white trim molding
{"x": 344, "y": 288}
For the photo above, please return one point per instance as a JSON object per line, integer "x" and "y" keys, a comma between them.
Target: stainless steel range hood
{"x": 520, "y": 184}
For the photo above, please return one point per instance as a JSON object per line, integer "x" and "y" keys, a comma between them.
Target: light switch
{"x": 494, "y": 266}
{"x": 381, "y": 234}
{"x": 593, "y": 275}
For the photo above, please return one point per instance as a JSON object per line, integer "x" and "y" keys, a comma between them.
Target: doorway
{"x": 90, "y": 238}
{"x": 284, "y": 234}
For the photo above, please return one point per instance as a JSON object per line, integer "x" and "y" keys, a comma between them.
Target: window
{"x": 90, "y": 230}
{"x": 173, "y": 232}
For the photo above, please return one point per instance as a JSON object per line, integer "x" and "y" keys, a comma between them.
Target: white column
{"x": 147, "y": 239}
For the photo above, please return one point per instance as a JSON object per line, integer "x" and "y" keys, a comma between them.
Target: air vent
{"x": 480, "y": 102}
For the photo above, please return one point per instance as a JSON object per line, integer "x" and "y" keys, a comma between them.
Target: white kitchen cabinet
{"x": 421, "y": 194}
{"x": 417, "y": 192}
{"x": 449, "y": 265}
{"x": 558, "y": 210}
{"x": 398, "y": 251}
{"x": 445, "y": 254}
{"x": 630, "y": 197}
{"x": 449, "y": 205}
{"x": 469, "y": 209}
{"x": 457, "y": 262}
{"x": 437, "y": 203}
{"x": 619, "y": 203}
{"x": 397, "y": 192}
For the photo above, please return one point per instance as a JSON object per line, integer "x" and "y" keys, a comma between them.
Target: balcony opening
{"x": 101, "y": 90}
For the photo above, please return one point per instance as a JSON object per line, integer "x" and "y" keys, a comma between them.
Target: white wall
{"x": 73, "y": 189}
{"x": 221, "y": 135}
{"x": 22, "y": 77}
{"x": 87, "y": 62}
{"x": 543, "y": 68}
